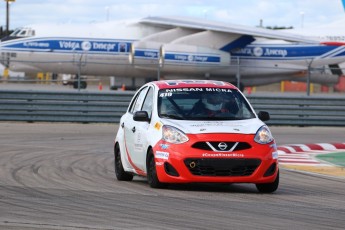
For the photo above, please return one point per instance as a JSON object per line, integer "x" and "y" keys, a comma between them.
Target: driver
{"x": 210, "y": 105}
{"x": 213, "y": 102}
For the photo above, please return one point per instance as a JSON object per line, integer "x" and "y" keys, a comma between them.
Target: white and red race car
{"x": 182, "y": 131}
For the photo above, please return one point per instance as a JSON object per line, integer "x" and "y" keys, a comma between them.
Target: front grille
{"x": 222, "y": 146}
{"x": 221, "y": 166}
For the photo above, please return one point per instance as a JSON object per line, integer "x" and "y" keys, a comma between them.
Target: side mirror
{"x": 141, "y": 116}
{"x": 264, "y": 116}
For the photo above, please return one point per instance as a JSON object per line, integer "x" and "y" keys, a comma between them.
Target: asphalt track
{"x": 61, "y": 176}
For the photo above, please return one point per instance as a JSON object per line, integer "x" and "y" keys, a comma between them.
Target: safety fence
{"x": 91, "y": 107}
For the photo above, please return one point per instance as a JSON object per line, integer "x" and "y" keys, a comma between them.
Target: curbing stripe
{"x": 310, "y": 147}
{"x": 300, "y": 154}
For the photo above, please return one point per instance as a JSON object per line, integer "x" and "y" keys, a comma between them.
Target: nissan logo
{"x": 222, "y": 146}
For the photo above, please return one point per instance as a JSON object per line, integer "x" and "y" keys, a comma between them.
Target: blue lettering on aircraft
{"x": 71, "y": 45}
{"x": 192, "y": 58}
{"x": 286, "y": 52}
{"x": 149, "y": 54}
{"x": 177, "y": 57}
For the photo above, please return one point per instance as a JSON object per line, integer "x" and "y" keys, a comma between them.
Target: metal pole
{"x": 308, "y": 82}
{"x": 238, "y": 74}
{"x": 7, "y": 17}
{"x": 308, "y": 77}
{"x": 159, "y": 56}
{"x": 79, "y": 72}
{"x": 159, "y": 72}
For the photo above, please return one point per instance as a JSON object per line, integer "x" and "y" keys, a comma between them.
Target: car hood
{"x": 249, "y": 126}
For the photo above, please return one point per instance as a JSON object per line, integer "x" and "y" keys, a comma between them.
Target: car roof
{"x": 167, "y": 84}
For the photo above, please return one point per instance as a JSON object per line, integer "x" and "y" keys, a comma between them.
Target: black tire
{"x": 152, "y": 178}
{"x": 120, "y": 173}
{"x": 269, "y": 187}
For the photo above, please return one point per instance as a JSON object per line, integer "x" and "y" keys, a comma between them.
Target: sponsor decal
{"x": 158, "y": 125}
{"x": 164, "y": 146}
{"x": 162, "y": 155}
{"x": 194, "y": 90}
{"x": 138, "y": 145}
{"x": 176, "y": 82}
{"x": 275, "y": 155}
{"x": 222, "y": 155}
{"x": 212, "y": 123}
{"x": 185, "y": 90}
{"x": 165, "y": 95}
{"x": 159, "y": 163}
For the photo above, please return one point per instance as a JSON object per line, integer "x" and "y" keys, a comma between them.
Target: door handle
{"x": 133, "y": 129}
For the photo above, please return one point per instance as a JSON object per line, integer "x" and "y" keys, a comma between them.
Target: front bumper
{"x": 247, "y": 162}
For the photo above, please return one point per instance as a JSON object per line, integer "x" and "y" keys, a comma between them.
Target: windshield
{"x": 203, "y": 104}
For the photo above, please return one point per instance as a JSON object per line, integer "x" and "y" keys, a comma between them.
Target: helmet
{"x": 213, "y": 102}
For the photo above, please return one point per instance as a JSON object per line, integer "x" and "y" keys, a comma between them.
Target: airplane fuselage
{"x": 145, "y": 49}
{"x": 109, "y": 57}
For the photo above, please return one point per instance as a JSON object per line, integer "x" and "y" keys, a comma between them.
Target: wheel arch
{"x": 149, "y": 148}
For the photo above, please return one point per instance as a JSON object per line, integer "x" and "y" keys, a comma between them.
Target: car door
{"x": 142, "y": 137}
{"x": 135, "y": 138}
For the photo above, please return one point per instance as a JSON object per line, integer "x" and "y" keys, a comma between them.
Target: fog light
{"x": 270, "y": 171}
{"x": 170, "y": 170}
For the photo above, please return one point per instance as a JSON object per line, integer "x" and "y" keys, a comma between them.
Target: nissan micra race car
{"x": 183, "y": 131}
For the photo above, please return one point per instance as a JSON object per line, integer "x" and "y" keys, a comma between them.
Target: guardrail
{"x": 325, "y": 110}
{"x": 63, "y": 106}
{"x": 34, "y": 106}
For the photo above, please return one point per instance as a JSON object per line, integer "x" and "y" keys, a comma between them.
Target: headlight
{"x": 173, "y": 135}
{"x": 263, "y": 135}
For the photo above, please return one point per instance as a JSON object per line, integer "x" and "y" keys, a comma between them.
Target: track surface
{"x": 61, "y": 176}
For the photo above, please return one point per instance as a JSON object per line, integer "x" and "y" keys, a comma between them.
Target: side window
{"x": 148, "y": 103}
{"x": 138, "y": 101}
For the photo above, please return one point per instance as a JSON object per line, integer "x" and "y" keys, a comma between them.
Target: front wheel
{"x": 120, "y": 173}
{"x": 269, "y": 187}
{"x": 152, "y": 178}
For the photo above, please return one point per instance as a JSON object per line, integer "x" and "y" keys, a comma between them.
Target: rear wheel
{"x": 120, "y": 173}
{"x": 152, "y": 177}
{"x": 269, "y": 187}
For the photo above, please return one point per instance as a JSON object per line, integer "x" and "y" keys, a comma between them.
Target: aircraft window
{"x": 22, "y": 33}
{"x": 16, "y": 32}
